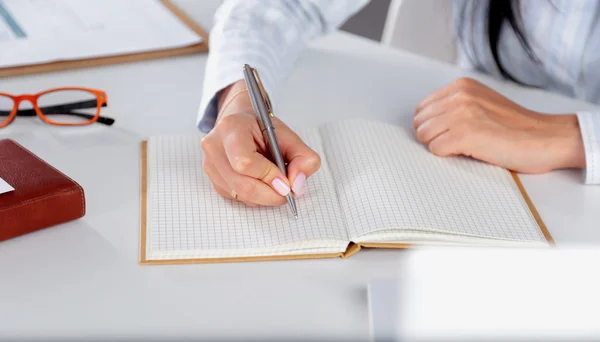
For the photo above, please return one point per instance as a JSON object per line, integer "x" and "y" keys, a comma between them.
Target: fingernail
{"x": 279, "y": 186}
{"x": 298, "y": 186}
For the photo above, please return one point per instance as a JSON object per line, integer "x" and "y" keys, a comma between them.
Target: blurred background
{"x": 394, "y": 23}
{"x": 369, "y": 21}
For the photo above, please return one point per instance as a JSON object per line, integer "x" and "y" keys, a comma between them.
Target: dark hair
{"x": 498, "y": 12}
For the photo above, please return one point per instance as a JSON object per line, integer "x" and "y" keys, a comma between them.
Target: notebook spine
{"x": 352, "y": 249}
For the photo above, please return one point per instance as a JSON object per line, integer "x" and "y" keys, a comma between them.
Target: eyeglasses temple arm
{"x": 65, "y": 109}
{"x": 101, "y": 119}
{"x": 58, "y": 109}
{"x": 62, "y": 109}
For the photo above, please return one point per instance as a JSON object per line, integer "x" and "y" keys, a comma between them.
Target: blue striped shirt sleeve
{"x": 267, "y": 34}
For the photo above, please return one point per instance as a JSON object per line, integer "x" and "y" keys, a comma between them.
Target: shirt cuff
{"x": 589, "y": 123}
{"x": 208, "y": 117}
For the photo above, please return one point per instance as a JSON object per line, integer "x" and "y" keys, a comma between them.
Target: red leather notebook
{"x": 42, "y": 196}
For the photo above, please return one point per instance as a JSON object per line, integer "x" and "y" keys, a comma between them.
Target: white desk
{"x": 82, "y": 279}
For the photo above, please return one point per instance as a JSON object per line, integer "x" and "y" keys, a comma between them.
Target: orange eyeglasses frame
{"x": 101, "y": 101}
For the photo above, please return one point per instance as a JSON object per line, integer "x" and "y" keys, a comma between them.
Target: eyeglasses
{"x": 69, "y": 106}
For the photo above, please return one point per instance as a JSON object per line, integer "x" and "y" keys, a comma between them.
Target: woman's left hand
{"x": 468, "y": 118}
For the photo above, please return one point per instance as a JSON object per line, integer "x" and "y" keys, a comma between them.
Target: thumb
{"x": 303, "y": 162}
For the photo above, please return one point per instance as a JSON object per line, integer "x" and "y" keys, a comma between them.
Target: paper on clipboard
{"x": 42, "y": 31}
{"x": 5, "y": 187}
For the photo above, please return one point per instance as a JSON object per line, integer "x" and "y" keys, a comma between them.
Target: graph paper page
{"x": 186, "y": 216}
{"x": 387, "y": 180}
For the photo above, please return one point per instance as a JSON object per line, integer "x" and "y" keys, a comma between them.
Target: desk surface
{"x": 82, "y": 279}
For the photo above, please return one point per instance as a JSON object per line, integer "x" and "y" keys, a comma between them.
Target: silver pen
{"x": 262, "y": 106}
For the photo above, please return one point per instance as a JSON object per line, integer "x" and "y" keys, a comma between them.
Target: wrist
{"x": 233, "y": 99}
{"x": 563, "y": 137}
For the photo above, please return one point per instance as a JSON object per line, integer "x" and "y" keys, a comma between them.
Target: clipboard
{"x": 118, "y": 59}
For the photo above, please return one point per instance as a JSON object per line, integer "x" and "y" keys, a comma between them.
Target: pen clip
{"x": 263, "y": 93}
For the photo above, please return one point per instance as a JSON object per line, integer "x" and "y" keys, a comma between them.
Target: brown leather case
{"x": 43, "y": 196}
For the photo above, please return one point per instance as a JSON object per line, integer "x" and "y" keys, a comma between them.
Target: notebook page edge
{"x": 143, "y": 241}
{"x": 292, "y": 249}
{"x": 420, "y": 237}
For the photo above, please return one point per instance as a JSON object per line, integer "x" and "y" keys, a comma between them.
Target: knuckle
{"x": 314, "y": 161}
{"x": 226, "y": 122}
{"x": 205, "y": 143}
{"x": 473, "y": 106}
{"x": 242, "y": 164}
{"x": 467, "y": 112}
{"x": 209, "y": 144}
{"x": 464, "y": 82}
{"x": 474, "y": 111}
{"x": 464, "y": 97}
{"x": 478, "y": 109}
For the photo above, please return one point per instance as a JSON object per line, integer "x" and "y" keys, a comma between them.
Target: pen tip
{"x": 296, "y": 216}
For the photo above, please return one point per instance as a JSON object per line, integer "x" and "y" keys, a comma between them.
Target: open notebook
{"x": 377, "y": 187}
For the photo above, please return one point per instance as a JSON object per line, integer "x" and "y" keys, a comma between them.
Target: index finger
{"x": 247, "y": 160}
{"x": 300, "y": 157}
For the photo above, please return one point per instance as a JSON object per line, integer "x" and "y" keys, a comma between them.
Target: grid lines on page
{"x": 187, "y": 214}
{"x": 387, "y": 180}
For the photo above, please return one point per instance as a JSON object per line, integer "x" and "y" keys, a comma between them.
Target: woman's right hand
{"x": 235, "y": 155}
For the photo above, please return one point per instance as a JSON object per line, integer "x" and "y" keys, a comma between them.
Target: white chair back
{"x": 422, "y": 27}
